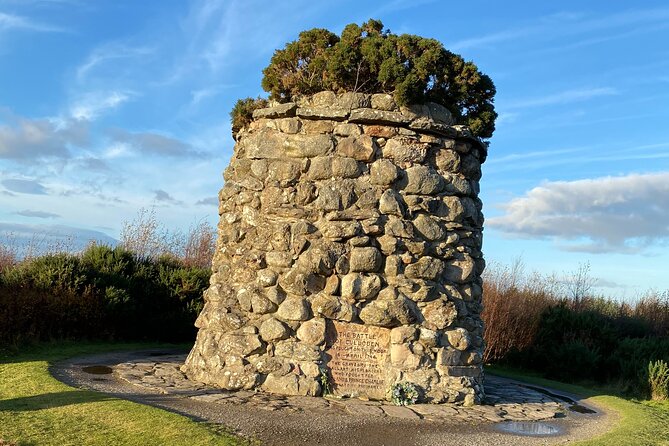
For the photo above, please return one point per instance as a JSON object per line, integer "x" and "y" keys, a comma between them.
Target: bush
{"x": 628, "y": 363}
{"x": 368, "y": 59}
{"x": 512, "y": 310}
{"x": 146, "y": 238}
{"x": 103, "y": 293}
{"x": 658, "y": 380}
{"x": 531, "y": 322}
{"x": 50, "y": 272}
{"x": 242, "y": 112}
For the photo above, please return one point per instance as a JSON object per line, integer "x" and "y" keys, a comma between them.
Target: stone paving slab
{"x": 273, "y": 420}
{"x": 506, "y": 400}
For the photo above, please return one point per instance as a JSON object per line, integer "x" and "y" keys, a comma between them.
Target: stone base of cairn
{"x": 348, "y": 258}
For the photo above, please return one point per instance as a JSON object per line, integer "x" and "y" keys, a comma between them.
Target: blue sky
{"x": 107, "y": 107}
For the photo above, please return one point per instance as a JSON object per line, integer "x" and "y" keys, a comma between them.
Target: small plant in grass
{"x": 404, "y": 394}
{"x": 7, "y": 443}
{"x": 658, "y": 379}
{"x": 324, "y": 379}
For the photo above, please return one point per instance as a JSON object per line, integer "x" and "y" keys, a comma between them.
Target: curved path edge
{"x": 149, "y": 376}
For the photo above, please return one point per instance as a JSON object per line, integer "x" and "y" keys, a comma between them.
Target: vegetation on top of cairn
{"x": 369, "y": 59}
{"x": 242, "y": 112}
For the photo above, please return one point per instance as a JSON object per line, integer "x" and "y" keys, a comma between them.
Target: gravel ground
{"x": 335, "y": 428}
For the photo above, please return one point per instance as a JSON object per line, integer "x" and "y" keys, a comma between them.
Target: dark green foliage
{"x": 300, "y": 68}
{"x": 585, "y": 344}
{"x": 242, "y": 112}
{"x": 368, "y": 59}
{"x": 104, "y": 293}
{"x": 629, "y": 362}
{"x": 52, "y": 271}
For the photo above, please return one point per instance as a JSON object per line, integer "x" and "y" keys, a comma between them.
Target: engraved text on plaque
{"x": 358, "y": 359}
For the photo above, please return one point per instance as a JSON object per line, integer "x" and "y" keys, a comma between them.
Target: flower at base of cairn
{"x": 404, "y": 394}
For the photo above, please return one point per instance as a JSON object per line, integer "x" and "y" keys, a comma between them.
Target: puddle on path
{"x": 97, "y": 370}
{"x": 528, "y": 428}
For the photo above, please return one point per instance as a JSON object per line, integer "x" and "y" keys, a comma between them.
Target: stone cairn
{"x": 348, "y": 258}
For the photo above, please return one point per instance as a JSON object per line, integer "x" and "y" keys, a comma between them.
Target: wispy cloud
{"x": 110, "y": 53}
{"x": 209, "y": 201}
{"x": 37, "y": 214}
{"x": 543, "y": 159}
{"x": 497, "y": 37}
{"x": 21, "y": 186}
{"x": 91, "y": 105}
{"x": 202, "y": 94}
{"x": 565, "y": 24}
{"x": 164, "y": 197}
{"x": 562, "y": 97}
{"x": 153, "y": 143}
{"x": 10, "y": 22}
{"x": 623, "y": 214}
{"x": 215, "y": 32}
{"x": 93, "y": 164}
{"x": 400, "y": 5}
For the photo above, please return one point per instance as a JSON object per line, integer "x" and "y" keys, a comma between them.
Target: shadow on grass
{"x": 51, "y": 400}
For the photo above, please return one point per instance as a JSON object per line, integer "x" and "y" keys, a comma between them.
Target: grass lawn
{"x": 36, "y": 409}
{"x": 642, "y": 423}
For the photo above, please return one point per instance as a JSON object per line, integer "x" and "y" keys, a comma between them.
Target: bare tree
{"x": 579, "y": 283}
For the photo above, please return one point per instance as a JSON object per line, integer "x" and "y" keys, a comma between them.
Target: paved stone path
{"x": 153, "y": 377}
{"x": 505, "y": 401}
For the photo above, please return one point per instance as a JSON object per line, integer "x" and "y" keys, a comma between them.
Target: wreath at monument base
{"x": 404, "y": 394}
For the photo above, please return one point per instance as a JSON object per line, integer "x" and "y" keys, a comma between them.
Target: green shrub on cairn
{"x": 368, "y": 59}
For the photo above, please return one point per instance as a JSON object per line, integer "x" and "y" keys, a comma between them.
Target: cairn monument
{"x": 348, "y": 258}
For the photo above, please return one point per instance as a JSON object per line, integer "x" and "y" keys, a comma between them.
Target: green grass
{"x": 36, "y": 409}
{"x": 641, "y": 423}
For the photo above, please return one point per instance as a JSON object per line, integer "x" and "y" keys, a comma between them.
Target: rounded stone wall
{"x": 348, "y": 257}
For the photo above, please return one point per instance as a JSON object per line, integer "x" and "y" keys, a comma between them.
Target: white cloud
{"x": 610, "y": 214}
{"x": 91, "y": 105}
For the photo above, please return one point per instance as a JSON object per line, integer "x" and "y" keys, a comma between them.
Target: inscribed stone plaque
{"x": 358, "y": 359}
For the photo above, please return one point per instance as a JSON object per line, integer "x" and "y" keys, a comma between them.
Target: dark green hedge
{"x": 105, "y": 293}
{"x": 582, "y": 344}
